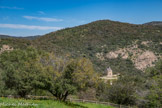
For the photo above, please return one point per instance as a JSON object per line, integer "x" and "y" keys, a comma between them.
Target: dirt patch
{"x": 160, "y": 43}
{"x": 146, "y": 43}
{"x": 145, "y": 60}
{"x": 130, "y": 51}
{"x": 112, "y": 55}
{"x": 100, "y": 56}
{"x": 5, "y": 48}
{"x": 141, "y": 58}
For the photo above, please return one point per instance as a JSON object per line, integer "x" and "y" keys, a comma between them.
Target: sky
{"x": 38, "y": 17}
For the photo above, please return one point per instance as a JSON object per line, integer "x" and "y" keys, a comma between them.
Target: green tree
{"x": 1, "y": 83}
{"x": 63, "y": 76}
{"x": 122, "y": 91}
{"x": 20, "y": 68}
{"x": 122, "y": 94}
{"x": 154, "y": 84}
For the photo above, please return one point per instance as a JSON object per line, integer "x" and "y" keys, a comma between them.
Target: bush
{"x": 89, "y": 94}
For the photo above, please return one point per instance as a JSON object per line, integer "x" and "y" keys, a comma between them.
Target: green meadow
{"x": 23, "y": 103}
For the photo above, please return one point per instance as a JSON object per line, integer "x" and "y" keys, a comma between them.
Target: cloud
{"x": 5, "y": 18}
{"x": 43, "y": 19}
{"x": 30, "y": 27}
{"x": 41, "y": 12}
{"x": 6, "y": 7}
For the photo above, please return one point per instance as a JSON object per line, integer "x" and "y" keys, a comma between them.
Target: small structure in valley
{"x": 110, "y": 76}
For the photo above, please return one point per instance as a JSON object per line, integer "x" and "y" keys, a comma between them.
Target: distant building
{"x": 110, "y": 76}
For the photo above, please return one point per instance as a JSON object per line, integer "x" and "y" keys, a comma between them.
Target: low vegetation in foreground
{"x": 21, "y": 103}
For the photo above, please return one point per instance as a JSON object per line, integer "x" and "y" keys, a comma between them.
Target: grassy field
{"x": 22, "y": 103}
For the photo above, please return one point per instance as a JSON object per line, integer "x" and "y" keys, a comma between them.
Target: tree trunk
{"x": 65, "y": 96}
{"x": 61, "y": 97}
{"x": 22, "y": 94}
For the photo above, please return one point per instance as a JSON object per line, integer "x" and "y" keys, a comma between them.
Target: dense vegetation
{"x": 26, "y": 70}
{"x": 27, "y": 37}
{"x": 144, "y": 91}
{"x": 36, "y": 72}
{"x": 154, "y": 84}
{"x": 96, "y": 37}
{"x": 64, "y": 63}
{"x": 16, "y": 43}
{"x": 101, "y": 37}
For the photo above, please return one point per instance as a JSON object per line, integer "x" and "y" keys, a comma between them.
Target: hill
{"x": 26, "y": 37}
{"x": 154, "y": 23}
{"x": 15, "y": 43}
{"x": 101, "y": 40}
{"x": 126, "y": 48}
{"x": 4, "y": 36}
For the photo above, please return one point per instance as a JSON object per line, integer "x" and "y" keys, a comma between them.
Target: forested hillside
{"x": 95, "y": 40}
{"x": 21, "y": 37}
{"x": 107, "y": 43}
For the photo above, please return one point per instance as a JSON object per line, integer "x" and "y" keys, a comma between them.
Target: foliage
{"x": 1, "y": 83}
{"x": 155, "y": 71}
{"x": 16, "y": 43}
{"x": 20, "y": 69}
{"x": 89, "y": 94}
{"x": 63, "y": 77}
{"x": 101, "y": 37}
{"x": 102, "y": 87}
{"x": 121, "y": 93}
{"x": 154, "y": 83}
{"x": 97, "y": 37}
{"x": 70, "y": 70}
{"x": 30, "y": 69}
